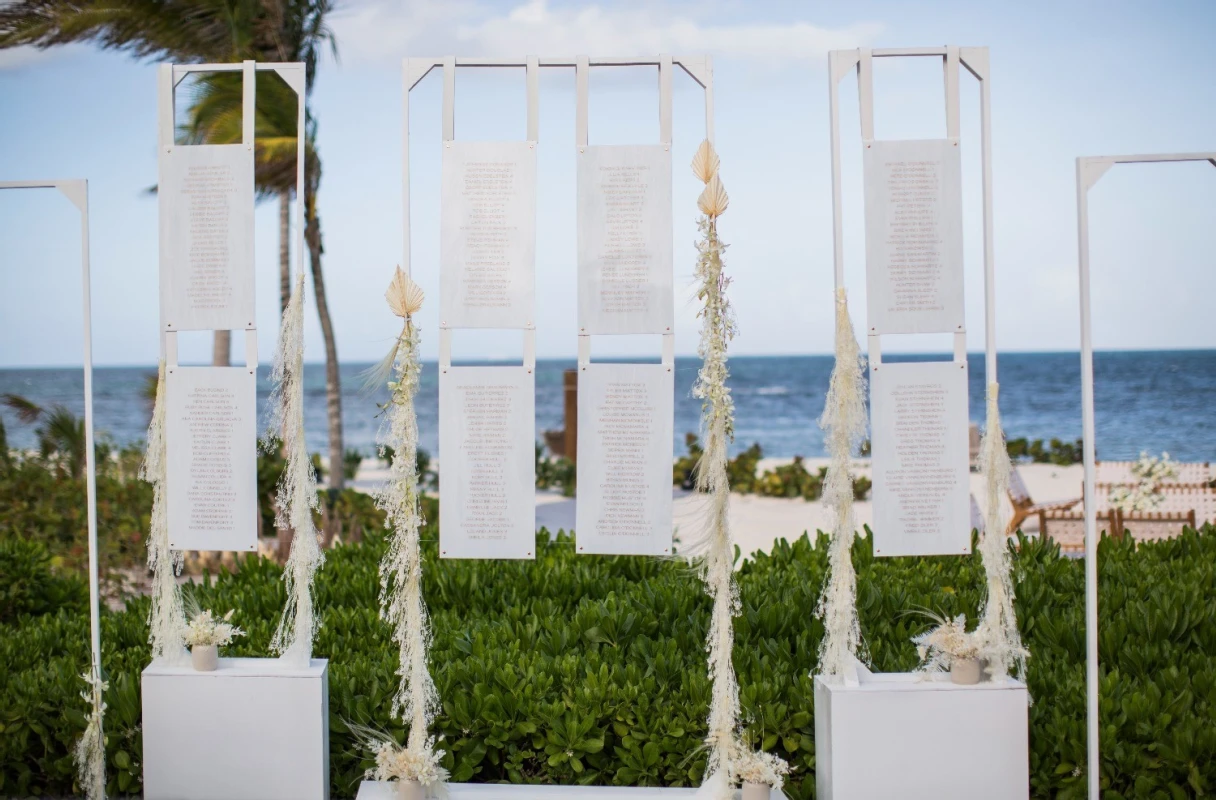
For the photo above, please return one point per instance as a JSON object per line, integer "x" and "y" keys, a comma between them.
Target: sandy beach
{"x": 758, "y": 521}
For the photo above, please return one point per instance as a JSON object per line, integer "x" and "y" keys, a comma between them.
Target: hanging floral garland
{"x": 167, "y": 619}
{"x": 997, "y": 635}
{"x": 844, "y": 424}
{"x": 729, "y": 760}
{"x": 297, "y": 492}
{"x": 401, "y": 603}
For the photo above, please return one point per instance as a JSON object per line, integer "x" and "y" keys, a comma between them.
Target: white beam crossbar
{"x": 1090, "y": 170}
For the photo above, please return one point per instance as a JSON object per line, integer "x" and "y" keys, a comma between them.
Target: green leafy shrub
{"x": 1056, "y": 452}
{"x": 555, "y": 473}
{"x": 580, "y": 669}
{"x": 28, "y": 585}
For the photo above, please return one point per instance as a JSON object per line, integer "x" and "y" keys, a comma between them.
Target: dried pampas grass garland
{"x": 89, "y": 754}
{"x": 714, "y": 550}
{"x": 297, "y": 492}
{"x": 997, "y": 634}
{"x": 401, "y": 602}
{"x": 167, "y": 619}
{"x": 844, "y": 424}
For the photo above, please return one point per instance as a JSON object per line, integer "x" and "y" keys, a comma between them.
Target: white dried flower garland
{"x": 297, "y": 492}
{"x": 714, "y": 550}
{"x": 401, "y": 602}
{"x": 844, "y": 424}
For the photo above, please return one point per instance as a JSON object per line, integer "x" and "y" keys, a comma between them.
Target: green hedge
{"x": 578, "y": 669}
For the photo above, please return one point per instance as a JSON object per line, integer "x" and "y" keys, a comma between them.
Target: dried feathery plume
{"x": 713, "y": 551}
{"x": 997, "y": 632}
{"x": 401, "y": 602}
{"x": 844, "y": 423}
{"x": 297, "y": 492}
{"x": 705, "y": 162}
{"x": 89, "y": 754}
{"x": 166, "y": 620}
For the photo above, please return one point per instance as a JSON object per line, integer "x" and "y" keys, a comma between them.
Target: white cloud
{"x": 389, "y": 29}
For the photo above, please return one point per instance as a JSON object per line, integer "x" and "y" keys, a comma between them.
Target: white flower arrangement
{"x": 204, "y": 630}
{"x": 758, "y": 766}
{"x": 947, "y": 642}
{"x": 397, "y": 763}
{"x": 1145, "y": 495}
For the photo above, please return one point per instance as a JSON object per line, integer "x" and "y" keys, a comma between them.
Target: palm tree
{"x": 202, "y": 31}
{"x": 61, "y": 439}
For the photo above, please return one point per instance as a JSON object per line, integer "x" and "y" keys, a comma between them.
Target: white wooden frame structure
{"x": 77, "y": 191}
{"x": 975, "y": 60}
{"x": 414, "y": 69}
{"x": 295, "y": 75}
{"x": 1089, "y": 170}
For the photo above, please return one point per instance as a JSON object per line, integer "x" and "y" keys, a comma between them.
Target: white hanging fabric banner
{"x": 625, "y": 417}
{"x": 914, "y": 236}
{"x": 211, "y": 454}
{"x": 625, "y": 239}
{"x": 206, "y": 237}
{"x": 920, "y": 445}
{"x": 488, "y": 234}
{"x": 487, "y": 466}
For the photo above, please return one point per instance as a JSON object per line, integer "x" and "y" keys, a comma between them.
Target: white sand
{"x": 759, "y": 521}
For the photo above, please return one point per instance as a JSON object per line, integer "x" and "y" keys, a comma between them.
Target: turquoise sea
{"x": 1146, "y": 401}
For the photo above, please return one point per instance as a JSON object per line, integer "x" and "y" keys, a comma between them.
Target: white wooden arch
{"x": 700, "y": 69}
{"x": 1090, "y": 170}
{"x": 953, "y": 58}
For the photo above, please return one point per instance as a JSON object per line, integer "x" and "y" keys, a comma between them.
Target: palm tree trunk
{"x": 333, "y": 384}
{"x": 284, "y": 250}
{"x": 221, "y": 349}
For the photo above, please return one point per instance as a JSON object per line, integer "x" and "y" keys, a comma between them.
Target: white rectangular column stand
{"x": 254, "y": 729}
{"x": 903, "y": 735}
{"x": 385, "y": 790}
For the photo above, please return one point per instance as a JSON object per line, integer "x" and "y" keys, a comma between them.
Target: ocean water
{"x": 1146, "y": 401}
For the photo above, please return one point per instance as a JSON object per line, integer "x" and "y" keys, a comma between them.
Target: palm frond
{"x": 27, "y": 410}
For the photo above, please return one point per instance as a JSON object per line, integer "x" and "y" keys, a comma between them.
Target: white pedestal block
{"x": 255, "y": 728}
{"x": 385, "y": 790}
{"x": 901, "y": 735}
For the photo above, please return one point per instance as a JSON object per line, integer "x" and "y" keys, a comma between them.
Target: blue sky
{"x": 1069, "y": 79}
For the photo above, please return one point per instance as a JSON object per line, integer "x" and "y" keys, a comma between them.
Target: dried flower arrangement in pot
{"x": 760, "y": 772}
{"x": 948, "y": 646}
{"x": 205, "y": 635}
{"x": 417, "y": 773}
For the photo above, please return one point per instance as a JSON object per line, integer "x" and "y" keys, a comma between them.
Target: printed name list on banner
{"x": 920, "y": 454}
{"x": 206, "y": 238}
{"x": 211, "y": 445}
{"x": 487, "y": 250}
{"x": 625, "y": 239}
{"x": 487, "y": 464}
{"x": 914, "y": 236}
{"x": 625, "y": 452}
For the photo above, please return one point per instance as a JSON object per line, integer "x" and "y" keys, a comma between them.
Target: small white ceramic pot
{"x": 205, "y": 657}
{"x": 756, "y": 791}
{"x": 410, "y": 790}
{"x": 965, "y": 671}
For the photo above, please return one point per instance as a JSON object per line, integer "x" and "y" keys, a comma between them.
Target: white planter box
{"x": 372, "y": 790}
{"x": 900, "y": 735}
{"x": 254, "y": 728}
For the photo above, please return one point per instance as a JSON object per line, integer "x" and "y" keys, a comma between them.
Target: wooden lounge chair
{"x": 1025, "y": 507}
